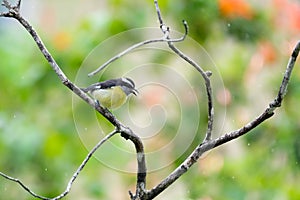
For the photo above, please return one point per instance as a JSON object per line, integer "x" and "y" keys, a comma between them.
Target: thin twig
{"x": 124, "y": 53}
{"x": 158, "y": 13}
{"x": 283, "y": 88}
{"x": 18, "y": 4}
{"x": 11, "y": 8}
{"x": 75, "y": 175}
{"x": 210, "y": 122}
{"x": 83, "y": 164}
{"x": 135, "y": 46}
{"x": 205, "y": 75}
{"x": 23, "y": 186}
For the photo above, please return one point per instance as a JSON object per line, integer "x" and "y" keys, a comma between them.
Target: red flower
{"x": 235, "y": 8}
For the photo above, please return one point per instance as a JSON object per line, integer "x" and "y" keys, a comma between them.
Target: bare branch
{"x": 283, "y": 88}
{"x": 158, "y": 13}
{"x": 204, "y": 74}
{"x": 125, "y": 131}
{"x": 83, "y": 164}
{"x": 75, "y": 175}
{"x": 211, "y": 144}
{"x": 202, "y": 148}
{"x": 142, "y": 170}
{"x": 19, "y": 4}
{"x": 11, "y": 8}
{"x": 7, "y": 4}
{"x": 23, "y": 186}
{"x": 186, "y": 28}
{"x": 135, "y": 46}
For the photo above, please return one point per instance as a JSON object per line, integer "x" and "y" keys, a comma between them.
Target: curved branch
{"x": 75, "y": 175}
{"x": 142, "y": 170}
{"x": 135, "y": 46}
{"x": 127, "y": 133}
{"x": 23, "y": 186}
{"x": 205, "y": 75}
{"x": 13, "y": 12}
{"x": 83, "y": 164}
{"x": 211, "y": 144}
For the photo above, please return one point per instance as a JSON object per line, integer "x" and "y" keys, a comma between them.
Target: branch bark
{"x": 126, "y": 132}
{"x": 205, "y": 75}
{"x": 207, "y": 144}
{"x": 211, "y": 144}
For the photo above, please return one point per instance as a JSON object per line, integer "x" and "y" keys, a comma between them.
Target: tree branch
{"x": 211, "y": 144}
{"x": 205, "y": 75}
{"x": 135, "y": 46}
{"x": 207, "y": 144}
{"x": 23, "y": 186}
{"x": 84, "y": 162}
{"x": 75, "y": 175}
{"x": 13, "y": 12}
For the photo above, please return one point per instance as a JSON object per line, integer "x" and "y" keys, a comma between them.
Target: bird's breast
{"x": 110, "y": 98}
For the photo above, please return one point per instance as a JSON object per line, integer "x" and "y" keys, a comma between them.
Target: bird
{"x": 112, "y": 93}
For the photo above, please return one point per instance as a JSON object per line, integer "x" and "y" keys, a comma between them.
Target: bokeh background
{"x": 245, "y": 43}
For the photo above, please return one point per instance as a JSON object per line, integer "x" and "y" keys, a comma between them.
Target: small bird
{"x": 112, "y": 93}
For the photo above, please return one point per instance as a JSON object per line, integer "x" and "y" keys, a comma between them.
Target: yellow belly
{"x": 111, "y": 98}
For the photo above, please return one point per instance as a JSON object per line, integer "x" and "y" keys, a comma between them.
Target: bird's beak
{"x": 135, "y": 92}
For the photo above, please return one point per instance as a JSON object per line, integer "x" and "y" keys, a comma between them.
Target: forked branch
{"x": 205, "y": 75}
{"x": 127, "y": 133}
{"x": 211, "y": 144}
{"x": 207, "y": 144}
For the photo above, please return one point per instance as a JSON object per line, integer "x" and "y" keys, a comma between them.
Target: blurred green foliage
{"x": 39, "y": 143}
